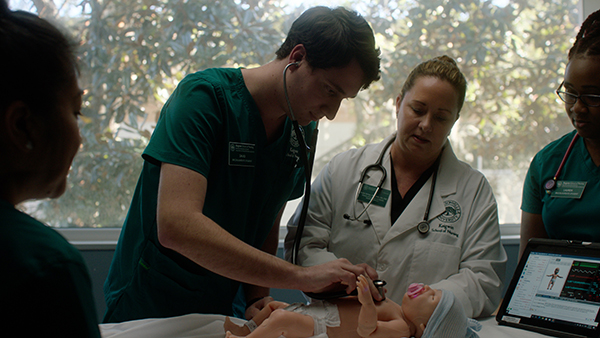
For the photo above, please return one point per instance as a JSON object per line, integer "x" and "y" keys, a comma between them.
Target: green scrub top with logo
{"x": 46, "y": 288}
{"x": 210, "y": 125}
{"x": 569, "y": 217}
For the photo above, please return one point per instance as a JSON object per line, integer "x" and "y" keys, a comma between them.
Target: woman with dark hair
{"x": 560, "y": 195}
{"x": 46, "y": 288}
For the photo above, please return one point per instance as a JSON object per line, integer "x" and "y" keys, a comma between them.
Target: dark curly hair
{"x": 333, "y": 38}
{"x": 587, "y": 42}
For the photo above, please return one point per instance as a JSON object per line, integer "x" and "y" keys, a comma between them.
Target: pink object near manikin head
{"x": 414, "y": 289}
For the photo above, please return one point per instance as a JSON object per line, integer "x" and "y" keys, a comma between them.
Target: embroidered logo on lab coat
{"x": 452, "y": 213}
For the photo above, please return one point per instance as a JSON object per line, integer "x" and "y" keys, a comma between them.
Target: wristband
{"x": 248, "y": 304}
{"x": 251, "y": 325}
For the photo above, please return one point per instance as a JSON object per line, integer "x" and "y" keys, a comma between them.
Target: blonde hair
{"x": 441, "y": 67}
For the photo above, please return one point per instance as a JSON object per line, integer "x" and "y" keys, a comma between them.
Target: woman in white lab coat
{"x": 458, "y": 247}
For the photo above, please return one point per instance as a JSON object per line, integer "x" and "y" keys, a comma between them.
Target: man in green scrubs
{"x": 219, "y": 168}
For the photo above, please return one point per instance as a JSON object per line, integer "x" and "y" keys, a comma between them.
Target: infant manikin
{"x": 425, "y": 313}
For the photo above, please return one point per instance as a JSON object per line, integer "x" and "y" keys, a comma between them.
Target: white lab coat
{"x": 461, "y": 253}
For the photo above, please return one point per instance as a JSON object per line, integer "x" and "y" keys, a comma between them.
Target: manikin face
{"x": 316, "y": 93}
{"x": 60, "y": 143}
{"x": 581, "y": 77}
{"x": 419, "y": 309}
{"x": 426, "y": 115}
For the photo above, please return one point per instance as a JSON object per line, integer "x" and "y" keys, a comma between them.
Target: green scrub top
{"x": 565, "y": 218}
{"x": 210, "y": 125}
{"x": 46, "y": 288}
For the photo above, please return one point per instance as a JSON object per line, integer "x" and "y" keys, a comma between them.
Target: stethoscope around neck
{"x": 307, "y": 161}
{"x": 551, "y": 183}
{"x": 422, "y": 226}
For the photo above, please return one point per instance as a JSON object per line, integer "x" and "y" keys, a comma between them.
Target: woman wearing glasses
{"x": 560, "y": 196}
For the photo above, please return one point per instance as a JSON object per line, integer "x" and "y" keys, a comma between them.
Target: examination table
{"x": 211, "y": 326}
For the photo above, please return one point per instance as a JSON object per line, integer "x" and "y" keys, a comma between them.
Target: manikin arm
{"x": 367, "y": 318}
{"x": 369, "y": 324}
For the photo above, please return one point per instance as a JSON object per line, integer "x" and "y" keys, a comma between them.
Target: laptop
{"x": 555, "y": 289}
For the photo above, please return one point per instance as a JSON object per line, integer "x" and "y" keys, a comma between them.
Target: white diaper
{"x": 323, "y": 313}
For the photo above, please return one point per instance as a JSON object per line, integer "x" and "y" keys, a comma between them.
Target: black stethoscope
{"x": 307, "y": 162}
{"x": 551, "y": 183}
{"x": 423, "y": 226}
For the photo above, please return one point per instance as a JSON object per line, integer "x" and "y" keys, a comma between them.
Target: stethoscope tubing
{"x": 307, "y": 162}
{"x": 551, "y": 183}
{"x": 378, "y": 165}
{"x": 423, "y": 226}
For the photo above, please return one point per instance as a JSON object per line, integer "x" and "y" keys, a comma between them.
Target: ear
{"x": 297, "y": 54}
{"x": 398, "y": 103}
{"x": 19, "y": 127}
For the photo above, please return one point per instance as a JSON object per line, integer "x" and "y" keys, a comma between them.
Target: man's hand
{"x": 328, "y": 275}
{"x": 255, "y": 308}
{"x": 370, "y": 272}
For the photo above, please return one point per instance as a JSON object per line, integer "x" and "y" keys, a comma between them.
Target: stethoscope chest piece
{"x": 379, "y": 284}
{"x": 423, "y": 227}
{"x": 550, "y": 184}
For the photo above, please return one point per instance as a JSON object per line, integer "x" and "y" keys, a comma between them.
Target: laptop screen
{"x": 558, "y": 288}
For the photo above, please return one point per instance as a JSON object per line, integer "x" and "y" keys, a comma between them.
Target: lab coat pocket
{"x": 433, "y": 262}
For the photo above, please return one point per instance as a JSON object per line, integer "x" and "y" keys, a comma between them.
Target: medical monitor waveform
{"x": 583, "y": 282}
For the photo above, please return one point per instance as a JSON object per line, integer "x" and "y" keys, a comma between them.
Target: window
{"x": 134, "y": 53}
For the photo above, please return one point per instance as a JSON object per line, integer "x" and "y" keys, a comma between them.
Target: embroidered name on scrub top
{"x": 568, "y": 189}
{"x": 242, "y": 154}
{"x": 367, "y": 191}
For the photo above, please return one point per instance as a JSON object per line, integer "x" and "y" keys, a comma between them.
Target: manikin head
{"x": 437, "y": 313}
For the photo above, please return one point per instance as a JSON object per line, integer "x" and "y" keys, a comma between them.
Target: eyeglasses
{"x": 570, "y": 98}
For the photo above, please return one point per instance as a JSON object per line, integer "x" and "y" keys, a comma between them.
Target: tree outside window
{"x": 134, "y": 53}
